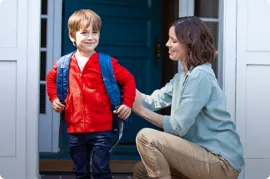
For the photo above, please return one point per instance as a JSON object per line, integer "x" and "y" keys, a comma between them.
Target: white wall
{"x": 246, "y": 64}
{"x": 19, "y": 69}
{"x": 253, "y": 85}
{"x": 246, "y": 82}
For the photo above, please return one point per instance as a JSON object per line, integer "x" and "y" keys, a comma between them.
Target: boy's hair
{"x": 81, "y": 20}
{"x": 194, "y": 34}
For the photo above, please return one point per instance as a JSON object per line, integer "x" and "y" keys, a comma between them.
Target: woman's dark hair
{"x": 194, "y": 34}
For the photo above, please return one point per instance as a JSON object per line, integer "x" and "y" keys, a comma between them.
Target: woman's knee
{"x": 145, "y": 135}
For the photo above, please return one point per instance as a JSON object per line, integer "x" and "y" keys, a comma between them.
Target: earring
{"x": 74, "y": 43}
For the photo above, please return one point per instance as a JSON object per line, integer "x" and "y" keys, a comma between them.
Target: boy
{"x": 88, "y": 114}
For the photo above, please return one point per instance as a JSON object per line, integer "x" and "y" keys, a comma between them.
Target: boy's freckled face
{"x": 87, "y": 39}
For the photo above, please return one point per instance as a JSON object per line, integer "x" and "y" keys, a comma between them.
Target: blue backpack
{"x": 112, "y": 88}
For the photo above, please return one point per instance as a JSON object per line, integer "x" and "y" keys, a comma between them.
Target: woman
{"x": 199, "y": 139}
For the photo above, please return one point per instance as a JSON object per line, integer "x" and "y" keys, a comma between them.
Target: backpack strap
{"x": 109, "y": 79}
{"x": 112, "y": 90}
{"x": 62, "y": 77}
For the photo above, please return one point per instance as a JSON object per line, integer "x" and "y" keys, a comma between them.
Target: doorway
{"x": 143, "y": 39}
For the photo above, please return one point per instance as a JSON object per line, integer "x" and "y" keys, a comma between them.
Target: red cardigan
{"x": 88, "y": 107}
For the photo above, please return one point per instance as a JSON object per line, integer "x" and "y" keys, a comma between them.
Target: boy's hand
{"x": 123, "y": 111}
{"x": 57, "y": 105}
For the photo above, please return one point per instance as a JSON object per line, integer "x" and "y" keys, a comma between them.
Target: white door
{"x": 253, "y": 85}
{"x": 13, "y": 90}
{"x": 19, "y": 34}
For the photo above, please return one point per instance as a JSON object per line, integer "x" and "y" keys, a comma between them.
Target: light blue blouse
{"x": 198, "y": 113}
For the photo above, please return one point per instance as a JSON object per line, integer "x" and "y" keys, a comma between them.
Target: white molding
{"x": 186, "y": 8}
{"x": 220, "y": 65}
{"x": 44, "y": 16}
{"x": 229, "y": 53}
{"x": 230, "y": 16}
{"x": 210, "y": 19}
{"x": 57, "y": 28}
{"x": 45, "y": 119}
{"x": 49, "y": 140}
{"x": 32, "y": 84}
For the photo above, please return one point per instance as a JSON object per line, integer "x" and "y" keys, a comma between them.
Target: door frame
{"x": 229, "y": 68}
{"x": 56, "y": 54}
{"x": 229, "y": 38}
{"x": 228, "y": 33}
{"x": 57, "y": 41}
{"x": 49, "y": 121}
{"x": 55, "y": 38}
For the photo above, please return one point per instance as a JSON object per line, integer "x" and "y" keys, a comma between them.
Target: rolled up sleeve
{"x": 161, "y": 98}
{"x": 196, "y": 94}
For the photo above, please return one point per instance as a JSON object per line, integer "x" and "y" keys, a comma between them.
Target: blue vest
{"x": 112, "y": 88}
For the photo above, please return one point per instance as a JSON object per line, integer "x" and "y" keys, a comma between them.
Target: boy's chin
{"x": 89, "y": 49}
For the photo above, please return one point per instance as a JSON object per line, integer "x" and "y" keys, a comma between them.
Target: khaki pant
{"x": 164, "y": 154}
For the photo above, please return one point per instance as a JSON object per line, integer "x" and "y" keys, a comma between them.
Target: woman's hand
{"x": 137, "y": 105}
{"x": 145, "y": 113}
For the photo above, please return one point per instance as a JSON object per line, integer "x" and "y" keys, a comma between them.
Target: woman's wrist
{"x": 151, "y": 117}
{"x": 142, "y": 111}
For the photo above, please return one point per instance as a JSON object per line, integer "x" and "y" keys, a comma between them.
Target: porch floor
{"x": 70, "y": 176}
{"x": 121, "y": 161}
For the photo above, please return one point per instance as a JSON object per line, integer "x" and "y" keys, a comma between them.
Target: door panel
{"x": 253, "y": 165}
{"x": 130, "y": 32}
{"x": 18, "y": 118}
{"x": 252, "y": 87}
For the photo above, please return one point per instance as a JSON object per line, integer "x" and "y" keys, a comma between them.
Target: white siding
{"x": 19, "y": 69}
{"x": 253, "y": 85}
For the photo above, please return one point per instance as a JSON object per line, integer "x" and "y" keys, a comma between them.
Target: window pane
{"x": 206, "y": 8}
{"x": 43, "y": 33}
{"x": 42, "y": 99}
{"x": 44, "y": 7}
{"x": 213, "y": 28}
{"x": 43, "y": 66}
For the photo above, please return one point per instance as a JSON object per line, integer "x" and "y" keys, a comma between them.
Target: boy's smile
{"x": 86, "y": 40}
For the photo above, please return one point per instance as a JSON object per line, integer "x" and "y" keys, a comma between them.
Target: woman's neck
{"x": 184, "y": 66}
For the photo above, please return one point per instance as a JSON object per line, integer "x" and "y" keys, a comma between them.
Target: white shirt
{"x": 81, "y": 61}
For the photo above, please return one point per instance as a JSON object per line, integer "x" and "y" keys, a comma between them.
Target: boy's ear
{"x": 73, "y": 40}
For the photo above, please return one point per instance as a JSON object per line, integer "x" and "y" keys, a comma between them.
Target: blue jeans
{"x": 91, "y": 146}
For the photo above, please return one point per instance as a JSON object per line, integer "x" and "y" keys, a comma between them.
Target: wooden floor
{"x": 59, "y": 165}
{"x": 66, "y": 176}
